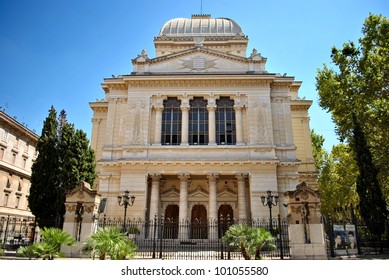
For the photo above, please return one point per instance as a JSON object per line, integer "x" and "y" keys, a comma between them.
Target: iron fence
{"x": 197, "y": 240}
{"x": 366, "y": 241}
{"x": 16, "y": 231}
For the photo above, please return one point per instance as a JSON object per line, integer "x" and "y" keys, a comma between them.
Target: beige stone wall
{"x": 17, "y": 154}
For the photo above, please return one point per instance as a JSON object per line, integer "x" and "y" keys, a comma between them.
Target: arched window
{"x": 225, "y": 122}
{"x": 198, "y": 122}
{"x": 171, "y": 122}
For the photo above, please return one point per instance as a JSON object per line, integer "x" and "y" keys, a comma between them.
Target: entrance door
{"x": 225, "y": 215}
{"x": 171, "y": 222}
{"x": 199, "y": 228}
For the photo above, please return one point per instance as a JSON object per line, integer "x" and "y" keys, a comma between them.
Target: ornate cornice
{"x": 199, "y": 83}
{"x": 281, "y": 85}
{"x": 119, "y": 86}
{"x": 188, "y": 163}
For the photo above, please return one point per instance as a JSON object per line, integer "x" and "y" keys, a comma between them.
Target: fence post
{"x": 160, "y": 236}
{"x": 154, "y": 235}
{"x": 6, "y": 229}
{"x": 280, "y": 233}
{"x": 331, "y": 234}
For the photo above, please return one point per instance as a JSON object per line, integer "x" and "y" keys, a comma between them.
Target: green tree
{"x": 357, "y": 96}
{"x": 109, "y": 242}
{"x": 373, "y": 206}
{"x": 50, "y": 247}
{"x": 320, "y": 155}
{"x": 250, "y": 240}
{"x": 337, "y": 180}
{"x": 64, "y": 160}
{"x": 43, "y": 199}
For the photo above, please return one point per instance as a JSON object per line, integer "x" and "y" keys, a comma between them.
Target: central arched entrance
{"x": 225, "y": 214}
{"x": 171, "y": 221}
{"x": 199, "y": 228}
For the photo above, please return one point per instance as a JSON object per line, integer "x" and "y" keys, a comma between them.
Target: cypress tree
{"x": 65, "y": 159}
{"x": 42, "y": 200}
{"x": 372, "y": 202}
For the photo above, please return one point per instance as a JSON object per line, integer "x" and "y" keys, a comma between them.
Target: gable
{"x": 198, "y": 61}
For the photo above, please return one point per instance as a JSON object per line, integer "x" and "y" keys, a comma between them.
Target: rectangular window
{"x": 5, "y": 202}
{"x": 17, "y": 202}
{"x": 225, "y": 122}
{"x": 171, "y": 122}
{"x": 198, "y": 122}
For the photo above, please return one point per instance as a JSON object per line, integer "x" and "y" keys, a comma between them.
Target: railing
{"x": 16, "y": 231}
{"x": 196, "y": 240}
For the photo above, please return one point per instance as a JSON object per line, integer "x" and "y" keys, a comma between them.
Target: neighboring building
{"x": 201, "y": 130}
{"x": 17, "y": 154}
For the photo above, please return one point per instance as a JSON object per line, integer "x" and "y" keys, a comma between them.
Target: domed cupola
{"x": 221, "y": 34}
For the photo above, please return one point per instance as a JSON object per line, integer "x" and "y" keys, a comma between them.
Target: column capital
{"x": 158, "y": 108}
{"x": 155, "y": 175}
{"x": 184, "y": 107}
{"x": 213, "y": 175}
{"x": 241, "y": 175}
{"x": 184, "y": 175}
{"x": 211, "y": 108}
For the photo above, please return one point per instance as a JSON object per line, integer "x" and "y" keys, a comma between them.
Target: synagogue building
{"x": 201, "y": 130}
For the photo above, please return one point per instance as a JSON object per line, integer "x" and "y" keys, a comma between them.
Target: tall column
{"x": 239, "y": 124}
{"x": 242, "y": 203}
{"x": 158, "y": 124}
{"x": 211, "y": 125}
{"x": 185, "y": 124}
{"x": 211, "y": 120}
{"x": 154, "y": 196}
{"x": 212, "y": 206}
{"x": 183, "y": 210}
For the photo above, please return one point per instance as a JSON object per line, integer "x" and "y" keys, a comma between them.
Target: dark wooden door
{"x": 225, "y": 215}
{"x": 171, "y": 222}
{"x": 199, "y": 229}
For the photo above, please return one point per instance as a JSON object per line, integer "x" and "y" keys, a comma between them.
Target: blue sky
{"x": 58, "y": 52}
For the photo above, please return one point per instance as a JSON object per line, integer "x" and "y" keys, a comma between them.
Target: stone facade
{"x": 201, "y": 130}
{"x": 17, "y": 154}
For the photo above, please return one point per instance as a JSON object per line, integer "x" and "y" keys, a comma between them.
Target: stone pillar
{"x": 154, "y": 196}
{"x": 158, "y": 124}
{"x": 183, "y": 209}
{"x": 239, "y": 124}
{"x": 80, "y": 219}
{"x": 211, "y": 119}
{"x": 242, "y": 203}
{"x": 185, "y": 106}
{"x": 212, "y": 206}
{"x": 306, "y": 232}
{"x": 211, "y": 124}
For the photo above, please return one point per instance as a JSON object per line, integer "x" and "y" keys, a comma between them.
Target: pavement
{"x": 11, "y": 255}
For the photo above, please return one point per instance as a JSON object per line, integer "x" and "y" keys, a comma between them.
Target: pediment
{"x": 197, "y": 60}
{"x": 227, "y": 193}
{"x": 199, "y": 193}
{"x": 172, "y": 192}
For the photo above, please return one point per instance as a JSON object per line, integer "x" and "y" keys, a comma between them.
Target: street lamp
{"x": 270, "y": 201}
{"x": 125, "y": 200}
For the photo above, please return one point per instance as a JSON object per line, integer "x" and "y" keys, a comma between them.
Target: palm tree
{"x": 260, "y": 237}
{"x": 237, "y": 235}
{"x": 110, "y": 241}
{"x": 249, "y": 239}
{"x": 50, "y": 247}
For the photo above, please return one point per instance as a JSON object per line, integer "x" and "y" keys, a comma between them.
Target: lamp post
{"x": 270, "y": 201}
{"x": 126, "y": 200}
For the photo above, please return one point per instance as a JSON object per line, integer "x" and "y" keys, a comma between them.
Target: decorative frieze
{"x": 199, "y": 83}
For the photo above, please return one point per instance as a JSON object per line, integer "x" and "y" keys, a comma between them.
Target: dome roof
{"x": 200, "y": 25}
